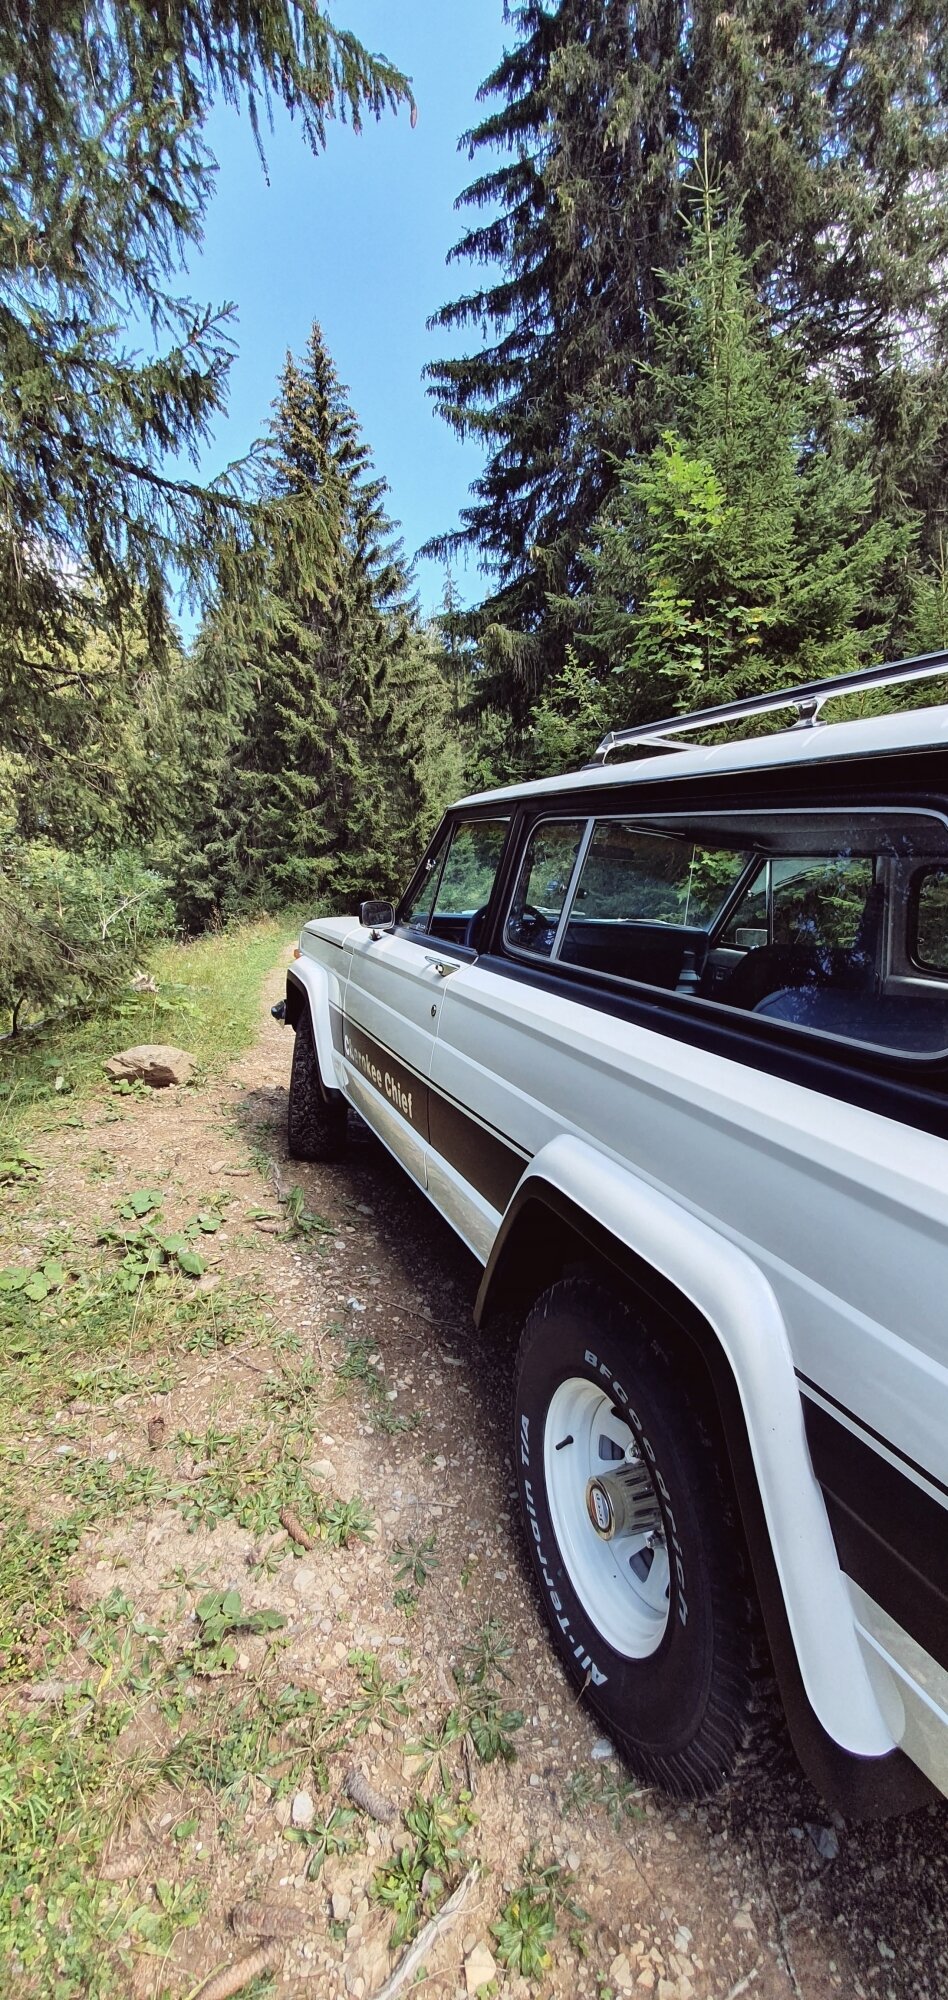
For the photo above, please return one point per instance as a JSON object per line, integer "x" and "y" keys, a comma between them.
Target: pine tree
{"x": 827, "y": 126}
{"x": 339, "y": 744}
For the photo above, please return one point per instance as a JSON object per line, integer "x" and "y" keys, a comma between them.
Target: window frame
{"x": 714, "y": 1009}
{"x": 447, "y": 830}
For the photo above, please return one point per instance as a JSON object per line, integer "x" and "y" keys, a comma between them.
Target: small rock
{"x": 620, "y": 1973}
{"x": 826, "y": 1841}
{"x": 154, "y": 1063}
{"x": 322, "y": 1468}
{"x": 303, "y": 1810}
{"x": 341, "y": 1904}
{"x": 243, "y": 1663}
{"x": 479, "y": 1968}
{"x": 602, "y": 1750}
{"x": 281, "y": 1812}
{"x": 646, "y": 1979}
{"x": 667, "y": 1989}
{"x": 304, "y": 1581}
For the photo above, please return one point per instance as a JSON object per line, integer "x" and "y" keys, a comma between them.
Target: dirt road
{"x": 762, "y": 1892}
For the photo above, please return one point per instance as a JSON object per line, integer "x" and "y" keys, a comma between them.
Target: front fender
{"x": 307, "y": 985}
{"x": 735, "y": 1307}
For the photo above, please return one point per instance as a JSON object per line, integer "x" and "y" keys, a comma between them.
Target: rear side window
{"x": 822, "y": 920}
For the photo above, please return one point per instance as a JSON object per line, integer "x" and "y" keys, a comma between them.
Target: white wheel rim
{"x": 622, "y": 1582}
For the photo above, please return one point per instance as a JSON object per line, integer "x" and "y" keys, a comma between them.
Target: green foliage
{"x": 741, "y": 552}
{"x": 424, "y": 1871}
{"x": 72, "y": 929}
{"x": 827, "y": 128}
{"x": 325, "y": 696}
{"x": 220, "y": 1614}
{"x": 526, "y": 1926}
{"x": 105, "y": 181}
{"x": 150, "y": 1251}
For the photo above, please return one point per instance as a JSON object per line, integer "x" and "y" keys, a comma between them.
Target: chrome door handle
{"x": 443, "y": 966}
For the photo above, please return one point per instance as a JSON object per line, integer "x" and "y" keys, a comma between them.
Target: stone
{"x": 646, "y": 1979}
{"x": 303, "y": 1811}
{"x": 154, "y": 1063}
{"x": 620, "y": 1973}
{"x": 341, "y": 1905}
{"x": 479, "y": 1968}
{"x": 602, "y": 1750}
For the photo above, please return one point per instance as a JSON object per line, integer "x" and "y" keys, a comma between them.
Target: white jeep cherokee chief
{"x": 666, "y": 1042}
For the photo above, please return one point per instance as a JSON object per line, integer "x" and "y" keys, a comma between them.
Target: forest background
{"x": 705, "y": 334}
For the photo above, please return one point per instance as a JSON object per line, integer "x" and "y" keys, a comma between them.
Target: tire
{"x": 651, "y": 1609}
{"x": 316, "y": 1118}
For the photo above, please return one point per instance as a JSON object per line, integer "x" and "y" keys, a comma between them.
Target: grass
{"x": 207, "y": 1002}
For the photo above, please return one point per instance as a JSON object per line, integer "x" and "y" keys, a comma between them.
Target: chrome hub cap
{"x": 607, "y": 1518}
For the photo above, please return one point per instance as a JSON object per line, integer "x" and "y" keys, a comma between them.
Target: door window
{"x": 542, "y": 886}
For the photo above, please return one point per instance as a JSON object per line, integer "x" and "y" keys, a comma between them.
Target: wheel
{"x": 633, "y": 1533}
{"x": 316, "y": 1118}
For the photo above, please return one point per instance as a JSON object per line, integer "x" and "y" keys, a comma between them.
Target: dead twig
{"x": 426, "y": 1938}
{"x": 743, "y": 1984}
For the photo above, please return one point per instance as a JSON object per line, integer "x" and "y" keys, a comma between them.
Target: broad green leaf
{"x": 191, "y": 1263}
{"x": 37, "y": 1288}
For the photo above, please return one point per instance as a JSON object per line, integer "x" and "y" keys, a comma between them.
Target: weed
{"x": 296, "y": 1392}
{"x": 526, "y": 1926}
{"x": 17, "y": 1165}
{"x": 481, "y": 1713}
{"x": 219, "y": 1615}
{"x": 618, "y": 1797}
{"x": 414, "y": 1561}
{"x": 149, "y": 1250}
{"x": 414, "y": 1883}
{"x": 339, "y": 1834}
{"x": 177, "y": 1906}
{"x": 362, "y": 1363}
{"x": 300, "y": 1220}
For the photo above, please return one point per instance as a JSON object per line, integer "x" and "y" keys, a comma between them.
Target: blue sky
{"x": 357, "y": 237}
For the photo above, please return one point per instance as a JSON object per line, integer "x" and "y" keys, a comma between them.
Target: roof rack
{"x": 807, "y": 700}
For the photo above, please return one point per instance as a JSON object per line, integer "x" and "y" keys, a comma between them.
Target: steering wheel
{"x": 534, "y": 921}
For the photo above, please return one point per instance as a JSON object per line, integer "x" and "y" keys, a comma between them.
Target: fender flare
{"x": 723, "y": 1303}
{"x": 307, "y": 985}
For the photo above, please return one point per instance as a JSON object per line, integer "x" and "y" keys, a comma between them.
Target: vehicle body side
{"x": 783, "y": 1203}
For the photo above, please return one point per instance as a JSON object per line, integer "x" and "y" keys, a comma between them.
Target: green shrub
{"x": 71, "y": 927}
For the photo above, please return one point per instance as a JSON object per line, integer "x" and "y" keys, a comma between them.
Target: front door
{"x": 395, "y": 985}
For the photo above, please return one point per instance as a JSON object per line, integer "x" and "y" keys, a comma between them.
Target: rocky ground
{"x": 410, "y": 1648}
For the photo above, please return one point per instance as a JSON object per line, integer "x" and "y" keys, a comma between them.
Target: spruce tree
{"x": 827, "y": 127}
{"x": 338, "y": 709}
{"x": 741, "y": 552}
{"x": 104, "y": 180}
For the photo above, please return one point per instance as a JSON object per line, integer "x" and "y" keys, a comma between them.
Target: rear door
{"x": 396, "y": 983}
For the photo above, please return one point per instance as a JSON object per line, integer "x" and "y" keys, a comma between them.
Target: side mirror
{"x": 377, "y": 917}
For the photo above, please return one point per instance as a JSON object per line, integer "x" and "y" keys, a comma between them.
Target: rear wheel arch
{"x": 545, "y": 1237}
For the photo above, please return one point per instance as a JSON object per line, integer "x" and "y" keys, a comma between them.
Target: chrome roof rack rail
{"x": 807, "y": 700}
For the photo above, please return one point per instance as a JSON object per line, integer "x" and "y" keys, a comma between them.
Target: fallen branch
{"x": 417, "y": 1952}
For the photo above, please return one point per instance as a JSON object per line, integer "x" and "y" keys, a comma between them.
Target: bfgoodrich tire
{"x": 632, "y": 1531}
{"x": 316, "y": 1117}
